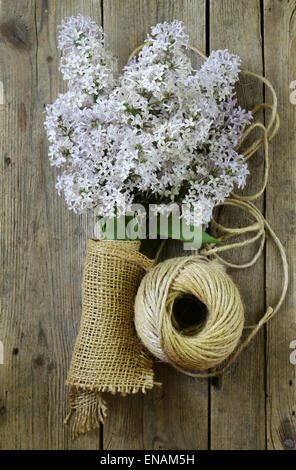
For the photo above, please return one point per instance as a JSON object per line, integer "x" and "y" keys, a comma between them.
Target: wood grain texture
{"x": 253, "y": 406}
{"x": 238, "y": 396}
{"x": 280, "y": 66}
{"x": 42, "y": 243}
{"x": 144, "y": 422}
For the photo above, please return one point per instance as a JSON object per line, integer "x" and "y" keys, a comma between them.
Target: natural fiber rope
{"x": 157, "y": 331}
{"x": 218, "y": 338}
{"x": 205, "y": 280}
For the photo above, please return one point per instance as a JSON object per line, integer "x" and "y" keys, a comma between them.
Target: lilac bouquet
{"x": 159, "y": 133}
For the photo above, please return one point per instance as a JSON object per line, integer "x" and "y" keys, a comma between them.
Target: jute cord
{"x": 158, "y": 289}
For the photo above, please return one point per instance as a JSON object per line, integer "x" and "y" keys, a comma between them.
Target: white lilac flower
{"x": 160, "y": 133}
{"x": 84, "y": 61}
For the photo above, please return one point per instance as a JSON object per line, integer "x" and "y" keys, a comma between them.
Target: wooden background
{"x": 253, "y": 405}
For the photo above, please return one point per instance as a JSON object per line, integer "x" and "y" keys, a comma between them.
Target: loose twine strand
{"x": 246, "y": 204}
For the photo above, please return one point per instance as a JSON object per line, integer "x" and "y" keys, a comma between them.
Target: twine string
{"x": 260, "y": 227}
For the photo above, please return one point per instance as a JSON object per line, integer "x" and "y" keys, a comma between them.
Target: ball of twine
{"x": 199, "y": 347}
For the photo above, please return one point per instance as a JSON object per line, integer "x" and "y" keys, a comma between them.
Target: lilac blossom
{"x": 160, "y": 133}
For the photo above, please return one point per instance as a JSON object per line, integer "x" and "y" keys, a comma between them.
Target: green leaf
{"x": 206, "y": 238}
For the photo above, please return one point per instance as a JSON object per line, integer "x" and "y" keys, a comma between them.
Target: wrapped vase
{"x": 108, "y": 355}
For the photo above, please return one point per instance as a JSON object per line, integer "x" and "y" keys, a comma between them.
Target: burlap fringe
{"x": 89, "y": 410}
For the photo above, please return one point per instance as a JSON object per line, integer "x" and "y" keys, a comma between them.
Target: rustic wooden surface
{"x": 240, "y": 423}
{"x": 280, "y": 66}
{"x": 253, "y": 405}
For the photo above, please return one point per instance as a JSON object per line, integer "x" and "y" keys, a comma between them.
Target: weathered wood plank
{"x": 175, "y": 416}
{"x": 280, "y": 66}
{"x": 43, "y": 244}
{"x": 237, "y": 397}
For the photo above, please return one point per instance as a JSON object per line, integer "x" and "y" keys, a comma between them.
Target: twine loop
{"x": 219, "y": 338}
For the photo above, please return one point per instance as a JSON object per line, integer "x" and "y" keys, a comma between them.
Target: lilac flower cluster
{"x": 162, "y": 132}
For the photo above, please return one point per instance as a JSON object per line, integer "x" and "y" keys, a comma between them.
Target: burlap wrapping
{"x": 108, "y": 356}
